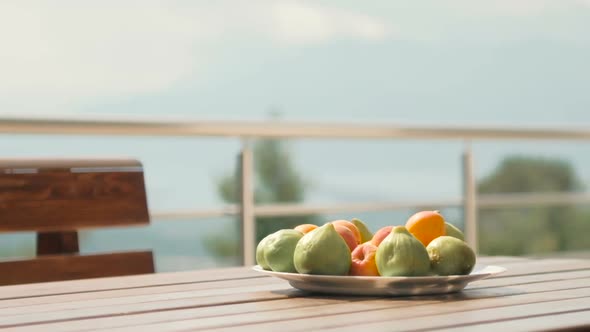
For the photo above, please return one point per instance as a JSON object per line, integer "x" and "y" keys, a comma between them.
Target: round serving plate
{"x": 383, "y": 286}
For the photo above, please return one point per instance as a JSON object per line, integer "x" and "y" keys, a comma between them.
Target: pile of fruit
{"x": 426, "y": 245}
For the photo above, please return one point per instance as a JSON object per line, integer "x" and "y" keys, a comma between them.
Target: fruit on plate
{"x": 305, "y": 228}
{"x": 426, "y": 245}
{"x": 278, "y": 250}
{"x": 260, "y": 260}
{"x": 347, "y": 235}
{"x": 363, "y": 260}
{"x": 426, "y": 226}
{"x": 322, "y": 251}
{"x": 401, "y": 254}
{"x": 355, "y": 231}
{"x": 450, "y": 256}
{"x": 366, "y": 234}
{"x": 451, "y": 230}
{"x": 381, "y": 234}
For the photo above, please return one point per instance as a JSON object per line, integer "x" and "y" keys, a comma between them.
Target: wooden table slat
{"x": 146, "y": 280}
{"x": 131, "y": 292}
{"x": 169, "y": 300}
{"x": 162, "y": 279}
{"x": 574, "y": 321}
{"x": 515, "y": 267}
{"x": 527, "y": 279}
{"x": 544, "y": 266}
{"x": 239, "y": 299}
{"x": 12, "y": 303}
{"x": 176, "y": 315}
{"x": 132, "y": 295}
{"x": 437, "y": 320}
{"x": 534, "y": 291}
{"x": 148, "y": 307}
{"x": 140, "y": 299}
{"x": 385, "y": 317}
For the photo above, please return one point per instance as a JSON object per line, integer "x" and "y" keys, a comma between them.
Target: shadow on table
{"x": 467, "y": 294}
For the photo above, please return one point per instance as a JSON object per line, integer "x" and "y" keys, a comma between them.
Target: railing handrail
{"x": 484, "y": 201}
{"x": 135, "y": 126}
{"x": 146, "y": 126}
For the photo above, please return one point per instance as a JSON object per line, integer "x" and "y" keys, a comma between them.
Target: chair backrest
{"x": 56, "y": 198}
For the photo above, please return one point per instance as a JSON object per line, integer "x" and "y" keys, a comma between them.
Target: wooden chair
{"x": 56, "y": 198}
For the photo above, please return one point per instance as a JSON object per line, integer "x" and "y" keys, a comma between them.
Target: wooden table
{"x": 531, "y": 295}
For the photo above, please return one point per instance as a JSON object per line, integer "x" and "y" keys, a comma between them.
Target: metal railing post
{"x": 248, "y": 221}
{"x": 469, "y": 198}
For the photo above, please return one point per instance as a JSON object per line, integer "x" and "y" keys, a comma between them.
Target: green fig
{"x": 451, "y": 230}
{"x": 278, "y": 250}
{"x": 260, "y": 260}
{"x": 401, "y": 254}
{"x": 450, "y": 256}
{"x": 366, "y": 234}
{"x": 322, "y": 251}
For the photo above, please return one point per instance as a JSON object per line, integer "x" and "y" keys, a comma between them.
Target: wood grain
{"x": 386, "y": 319}
{"x": 238, "y": 299}
{"x": 67, "y": 267}
{"x": 573, "y": 321}
{"x": 57, "y": 197}
{"x": 233, "y": 273}
{"x": 530, "y": 279}
{"x": 129, "y": 295}
{"x": 60, "y": 200}
{"x": 137, "y": 308}
{"x": 176, "y": 315}
{"x": 53, "y": 243}
{"x": 537, "y": 266}
{"x": 258, "y": 294}
{"x": 125, "y": 283}
{"x": 465, "y": 319}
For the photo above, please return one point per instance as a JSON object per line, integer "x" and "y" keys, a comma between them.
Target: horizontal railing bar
{"x": 531, "y": 199}
{"x": 229, "y": 210}
{"x": 276, "y": 210}
{"x": 271, "y": 129}
{"x": 283, "y": 210}
{"x": 484, "y": 201}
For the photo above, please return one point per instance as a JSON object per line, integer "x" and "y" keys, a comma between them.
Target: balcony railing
{"x": 245, "y": 131}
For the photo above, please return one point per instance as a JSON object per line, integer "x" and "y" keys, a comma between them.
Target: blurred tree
{"x": 276, "y": 181}
{"x": 531, "y": 230}
{"x": 518, "y": 174}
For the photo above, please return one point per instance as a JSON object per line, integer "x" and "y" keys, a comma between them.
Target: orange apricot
{"x": 351, "y": 226}
{"x": 426, "y": 226}
{"x": 380, "y": 235}
{"x": 347, "y": 235}
{"x": 363, "y": 260}
{"x": 305, "y": 228}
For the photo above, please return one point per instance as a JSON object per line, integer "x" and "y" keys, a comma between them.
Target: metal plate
{"x": 383, "y": 286}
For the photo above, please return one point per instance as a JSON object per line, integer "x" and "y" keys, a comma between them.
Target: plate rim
{"x": 479, "y": 273}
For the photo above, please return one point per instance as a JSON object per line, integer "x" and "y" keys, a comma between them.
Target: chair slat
{"x": 54, "y": 243}
{"x": 65, "y": 198}
{"x": 70, "y": 267}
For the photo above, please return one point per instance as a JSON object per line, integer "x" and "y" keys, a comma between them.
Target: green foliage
{"x": 276, "y": 181}
{"x": 521, "y": 174}
{"x": 532, "y": 230}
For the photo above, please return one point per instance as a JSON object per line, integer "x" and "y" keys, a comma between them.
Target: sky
{"x": 429, "y": 62}
{"x": 459, "y": 61}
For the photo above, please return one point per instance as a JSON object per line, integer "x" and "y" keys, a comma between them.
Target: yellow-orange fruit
{"x": 426, "y": 226}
